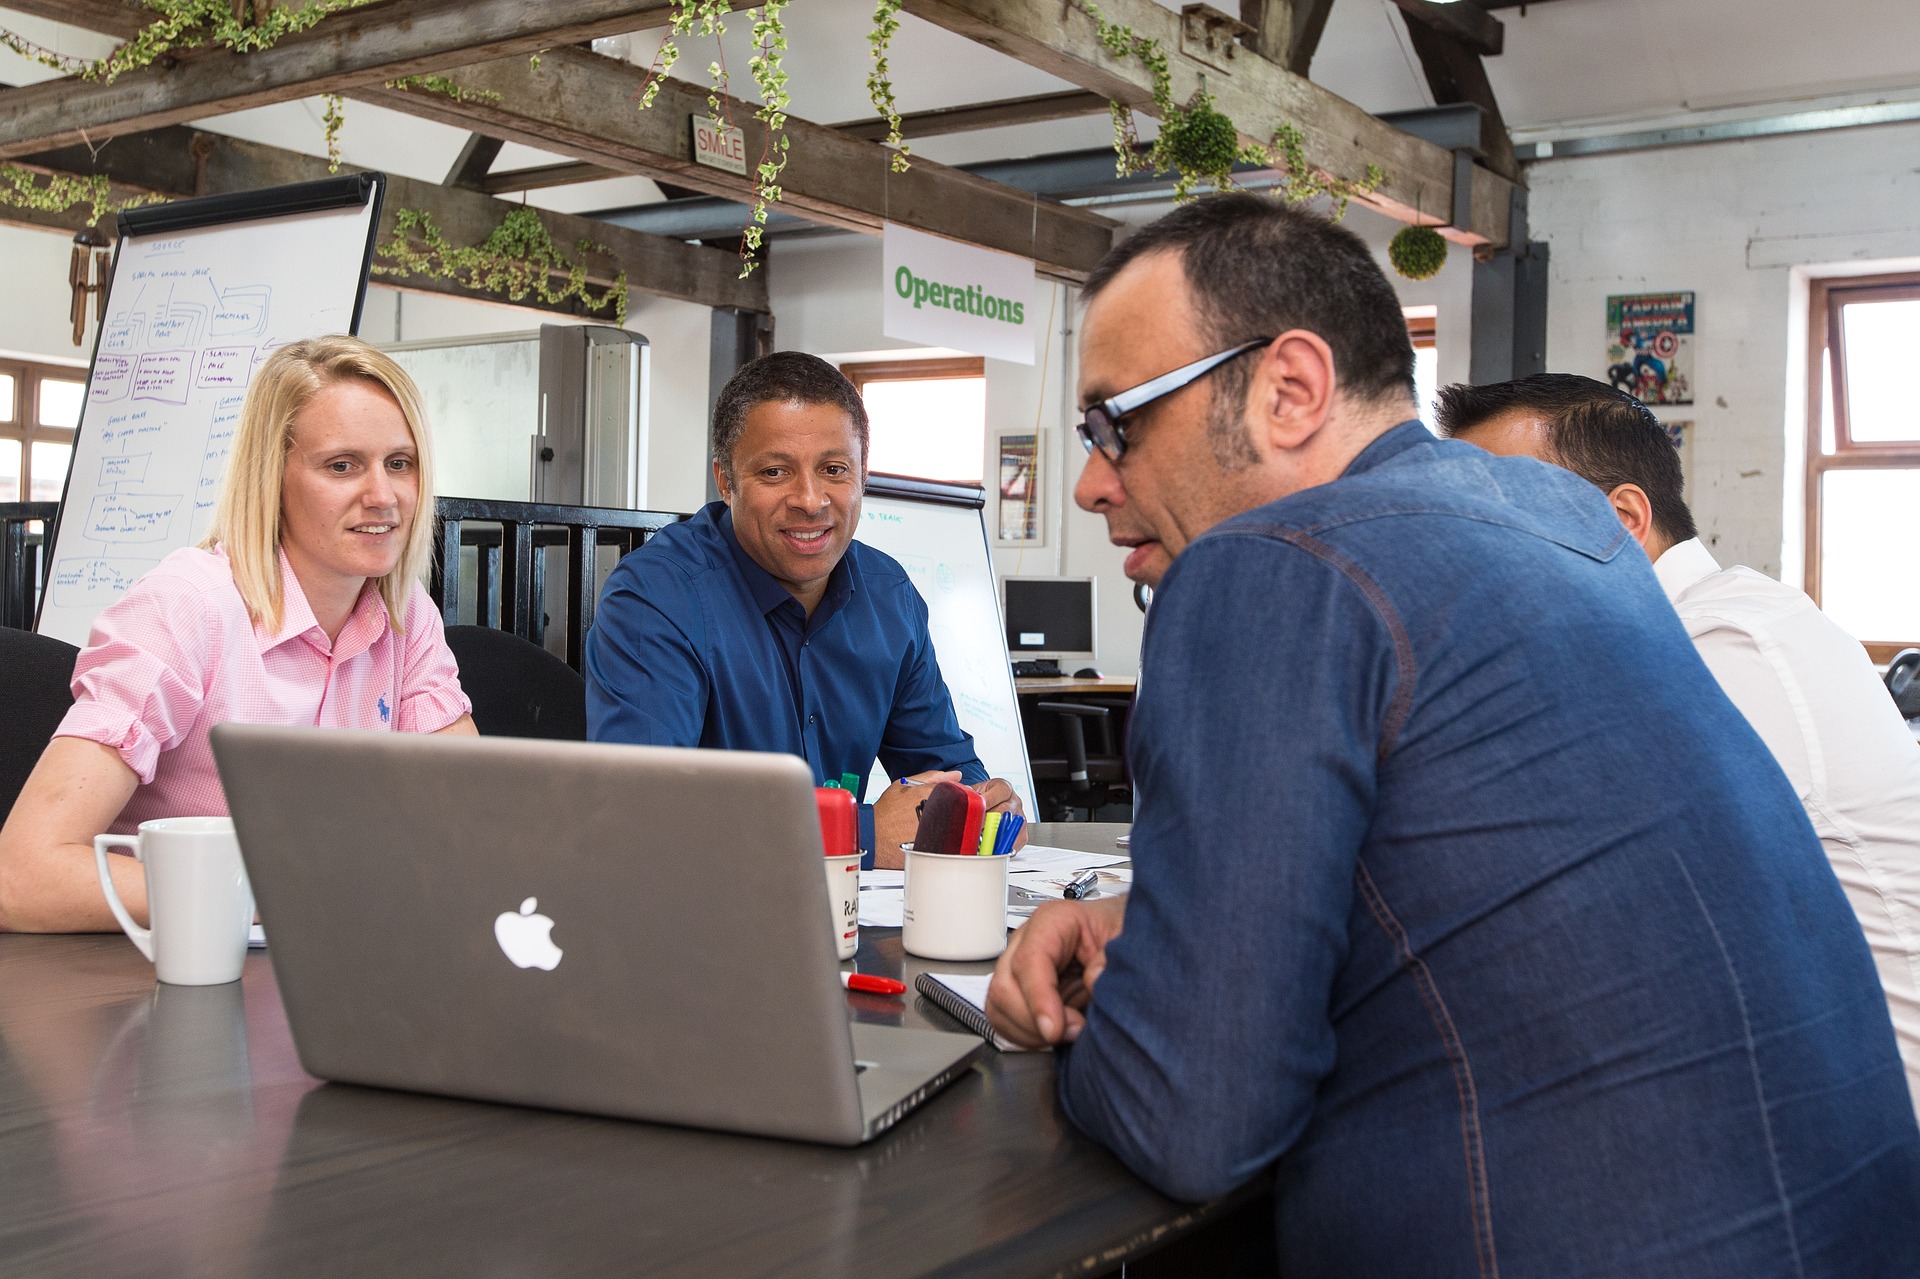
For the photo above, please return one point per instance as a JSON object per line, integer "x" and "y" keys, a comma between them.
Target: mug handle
{"x": 142, "y": 937}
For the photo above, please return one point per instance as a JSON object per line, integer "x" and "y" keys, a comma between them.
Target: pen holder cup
{"x": 956, "y": 907}
{"x": 843, "y": 903}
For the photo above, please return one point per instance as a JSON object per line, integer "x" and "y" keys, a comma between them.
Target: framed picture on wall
{"x": 1018, "y": 520}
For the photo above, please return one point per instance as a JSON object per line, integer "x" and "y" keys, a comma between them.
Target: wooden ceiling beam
{"x": 1471, "y": 26}
{"x": 1455, "y": 74}
{"x": 583, "y": 105}
{"x": 1340, "y": 138}
{"x": 179, "y": 161}
{"x": 469, "y": 169}
{"x": 917, "y": 124}
{"x": 1037, "y": 109}
{"x": 541, "y": 176}
{"x": 351, "y": 49}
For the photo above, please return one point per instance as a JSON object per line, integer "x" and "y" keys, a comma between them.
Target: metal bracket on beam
{"x": 1211, "y": 37}
{"x": 1458, "y": 126}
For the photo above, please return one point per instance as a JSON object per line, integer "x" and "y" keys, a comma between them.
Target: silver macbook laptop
{"x": 624, "y": 930}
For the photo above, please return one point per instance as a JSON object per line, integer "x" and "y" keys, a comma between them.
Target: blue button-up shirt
{"x": 694, "y": 644}
{"x": 1462, "y": 894}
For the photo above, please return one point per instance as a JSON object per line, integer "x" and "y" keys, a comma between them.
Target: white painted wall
{"x": 33, "y": 323}
{"x": 1743, "y": 225}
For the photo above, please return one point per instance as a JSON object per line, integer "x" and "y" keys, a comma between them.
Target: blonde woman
{"x": 303, "y": 606}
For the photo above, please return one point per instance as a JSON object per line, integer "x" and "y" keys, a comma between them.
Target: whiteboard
{"x": 482, "y": 395}
{"x": 192, "y": 311}
{"x": 943, "y": 547}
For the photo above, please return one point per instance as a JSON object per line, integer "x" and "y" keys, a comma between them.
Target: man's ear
{"x": 1292, "y": 388}
{"x": 720, "y": 483}
{"x": 1635, "y": 509}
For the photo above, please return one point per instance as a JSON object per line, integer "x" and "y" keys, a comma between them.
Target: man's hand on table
{"x": 1044, "y": 979}
{"x": 1000, "y": 798}
{"x": 896, "y": 812}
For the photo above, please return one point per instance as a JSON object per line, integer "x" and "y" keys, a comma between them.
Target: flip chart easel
{"x": 938, "y": 534}
{"x": 201, "y": 293}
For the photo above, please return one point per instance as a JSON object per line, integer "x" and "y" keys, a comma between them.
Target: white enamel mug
{"x": 955, "y": 907}
{"x": 198, "y": 900}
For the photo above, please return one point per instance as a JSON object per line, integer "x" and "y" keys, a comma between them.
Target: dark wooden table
{"x": 169, "y": 1130}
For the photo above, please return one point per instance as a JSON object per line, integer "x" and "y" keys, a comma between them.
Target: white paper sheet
{"x": 1059, "y": 861}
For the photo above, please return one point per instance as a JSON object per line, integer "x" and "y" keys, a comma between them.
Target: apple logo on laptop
{"x": 524, "y": 937}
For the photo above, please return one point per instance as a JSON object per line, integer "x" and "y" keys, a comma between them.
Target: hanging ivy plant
{"x": 1198, "y": 143}
{"x": 333, "y": 114}
{"x": 709, "y": 18}
{"x": 1125, "y": 42}
{"x": 187, "y": 24}
{"x": 886, "y": 21}
{"x": 770, "y": 77}
{"x": 1417, "y": 252}
{"x": 57, "y": 192}
{"x": 518, "y": 259}
{"x": 444, "y": 87}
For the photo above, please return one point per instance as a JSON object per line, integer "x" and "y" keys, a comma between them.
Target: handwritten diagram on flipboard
{"x": 190, "y": 316}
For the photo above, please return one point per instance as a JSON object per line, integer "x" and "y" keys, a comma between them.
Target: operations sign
{"x": 942, "y": 293}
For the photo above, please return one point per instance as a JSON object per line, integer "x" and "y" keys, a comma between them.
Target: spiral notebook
{"x": 963, "y": 996}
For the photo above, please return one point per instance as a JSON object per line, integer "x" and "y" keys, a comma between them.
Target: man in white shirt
{"x": 1804, "y": 684}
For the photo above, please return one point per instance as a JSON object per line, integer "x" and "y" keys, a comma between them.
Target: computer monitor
{"x": 1050, "y": 616}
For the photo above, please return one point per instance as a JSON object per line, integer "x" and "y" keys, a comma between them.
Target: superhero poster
{"x": 1650, "y": 346}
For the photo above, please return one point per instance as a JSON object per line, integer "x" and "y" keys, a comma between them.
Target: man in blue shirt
{"x": 760, "y": 624}
{"x": 1462, "y": 896}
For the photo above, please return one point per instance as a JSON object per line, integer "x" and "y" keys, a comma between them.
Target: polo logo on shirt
{"x": 385, "y": 712}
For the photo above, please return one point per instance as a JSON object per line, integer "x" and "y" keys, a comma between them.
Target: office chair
{"x": 36, "y": 674}
{"x": 1903, "y": 681}
{"x": 518, "y": 689}
{"x": 1092, "y": 781}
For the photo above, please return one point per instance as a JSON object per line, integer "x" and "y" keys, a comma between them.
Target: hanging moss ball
{"x": 1417, "y": 252}
{"x": 1200, "y": 141}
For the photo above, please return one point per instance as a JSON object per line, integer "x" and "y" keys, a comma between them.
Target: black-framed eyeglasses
{"x": 1101, "y": 427}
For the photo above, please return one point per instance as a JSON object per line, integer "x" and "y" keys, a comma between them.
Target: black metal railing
{"x": 23, "y": 559}
{"x": 511, "y": 541}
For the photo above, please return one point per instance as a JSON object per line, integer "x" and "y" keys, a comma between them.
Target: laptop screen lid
{"x": 688, "y": 975}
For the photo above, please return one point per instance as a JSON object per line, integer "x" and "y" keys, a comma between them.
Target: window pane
{"x": 6, "y": 397}
{"x": 933, "y": 430}
{"x": 1426, "y": 381}
{"x": 9, "y": 470}
{"x": 60, "y": 402}
{"x": 49, "y": 470}
{"x": 1882, "y": 338}
{"x": 1869, "y": 522}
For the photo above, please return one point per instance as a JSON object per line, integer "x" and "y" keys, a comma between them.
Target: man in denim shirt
{"x": 1463, "y": 897}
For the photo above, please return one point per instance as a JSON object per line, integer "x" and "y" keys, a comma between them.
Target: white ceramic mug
{"x": 843, "y": 897}
{"x": 198, "y": 900}
{"x": 955, "y": 907}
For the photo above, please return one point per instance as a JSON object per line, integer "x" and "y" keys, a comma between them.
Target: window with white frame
{"x": 1863, "y": 459}
{"x": 39, "y": 411}
{"x": 928, "y": 418}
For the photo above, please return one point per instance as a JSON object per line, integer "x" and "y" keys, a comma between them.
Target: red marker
{"x": 872, "y": 985}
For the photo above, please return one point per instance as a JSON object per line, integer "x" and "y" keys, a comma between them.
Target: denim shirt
{"x": 694, "y": 644}
{"x": 1464, "y": 896}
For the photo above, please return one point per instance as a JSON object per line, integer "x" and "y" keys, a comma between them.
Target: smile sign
{"x": 941, "y": 293}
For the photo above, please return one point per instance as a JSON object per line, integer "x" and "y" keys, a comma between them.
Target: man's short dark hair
{"x": 1259, "y": 267}
{"x": 1601, "y": 434}
{"x": 785, "y": 377}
